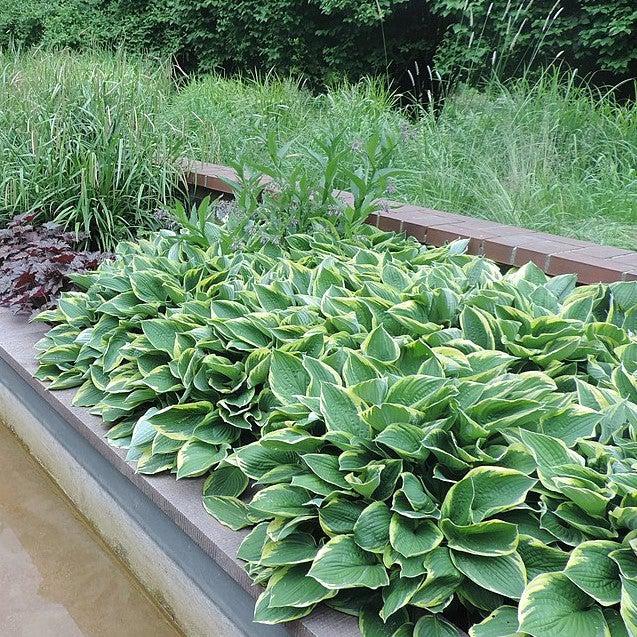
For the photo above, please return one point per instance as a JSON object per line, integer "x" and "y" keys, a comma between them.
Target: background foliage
{"x": 325, "y": 38}
{"x": 80, "y": 141}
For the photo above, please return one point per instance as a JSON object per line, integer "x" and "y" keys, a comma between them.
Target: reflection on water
{"x": 56, "y": 578}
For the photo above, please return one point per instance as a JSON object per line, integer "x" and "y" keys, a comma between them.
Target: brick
{"x": 588, "y": 269}
{"x": 497, "y": 250}
{"x": 629, "y": 259}
{"x": 389, "y": 224}
{"x": 518, "y": 249}
{"x": 372, "y": 220}
{"x": 591, "y": 250}
{"x": 539, "y": 251}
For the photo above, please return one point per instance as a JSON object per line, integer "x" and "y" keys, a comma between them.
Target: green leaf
{"x": 590, "y": 568}
{"x": 294, "y": 549}
{"x": 476, "y": 327}
{"x": 196, "y": 457}
{"x": 340, "y": 412}
{"x": 434, "y": 626}
{"x": 342, "y": 564}
{"x": 485, "y": 538}
{"x": 293, "y": 587}
{"x": 339, "y": 515}
{"x": 552, "y": 605}
{"x": 161, "y": 333}
{"x": 253, "y": 543}
{"x": 326, "y": 467}
{"x": 413, "y": 537}
{"x": 226, "y": 480}
{"x": 229, "y": 511}
{"x": 441, "y": 581}
{"x": 628, "y": 605}
{"x": 380, "y": 346}
{"x": 281, "y": 500}
{"x": 503, "y": 574}
{"x": 371, "y": 531}
{"x": 398, "y": 594}
{"x": 502, "y": 622}
{"x": 266, "y": 614}
{"x": 179, "y": 421}
{"x": 287, "y": 378}
{"x": 485, "y": 491}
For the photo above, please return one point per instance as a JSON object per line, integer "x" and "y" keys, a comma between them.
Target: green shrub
{"x": 316, "y": 38}
{"x": 324, "y": 39}
{"x": 82, "y": 141}
{"x": 432, "y": 440}
{"x": 506, "y": 37}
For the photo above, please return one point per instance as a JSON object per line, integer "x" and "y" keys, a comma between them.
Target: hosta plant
{"x": 410, "y": 435}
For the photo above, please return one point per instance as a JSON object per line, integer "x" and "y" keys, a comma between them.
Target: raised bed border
{"x": 508, "y": 245}
{"x": 170, "y": 512}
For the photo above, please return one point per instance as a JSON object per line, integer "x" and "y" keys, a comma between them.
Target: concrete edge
{"x": 508, "y": 245}
{"x": 154, "y": 511}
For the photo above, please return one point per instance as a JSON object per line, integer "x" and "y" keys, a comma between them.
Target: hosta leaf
{"x": 590, "y": 568}
{"x": 265, "y": 614}
{"x": 441, "y": 581}
{"x": 485, "y": 538}
{"x": 226, "y": 481}
{"x": 196, "y": 457}
{"x": 339, "y": 515}
{"x": 281, "y": 501}
{"x": 380, "y": 346}
{"x": 293, "y": 587}
{"x": 370, "y": 623}
{"x": 476, "y": 327}
{"x": 294, "y": 549}
{"x": 179, "y": 421}
{"x": 253, "y": 543}
{"x": 228, "y": 510}
{"x": 502, "y": 622}
{"x": 571, "y": 423}
{"x": 615, "y": 623}
{"x": 553, "y": 605}
{"x": 161, "y": 333}
{"x": 326, "y": 467}
{"x": 341, "y": 564}
{"x": 539, "y": 558}
{"x": 255, "y": 460}
{"x": 287, "y": 377}
{"x": 434, "y": 626}
{"x": 413, "y": 537}
{"x": 398, "y": 594}
{"x": 503, "y": 574}
{"x": 340, "y": 412}
{"x": 371, "y": 530}
{"x": 161, "y": 380}
{"x": 628, "y": 605}
{"x": 483, "y": 492}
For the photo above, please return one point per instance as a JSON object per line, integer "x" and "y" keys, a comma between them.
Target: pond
{"x": 57, "y": 578}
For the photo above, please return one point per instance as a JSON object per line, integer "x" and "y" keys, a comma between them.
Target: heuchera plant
{"x": 36, "y": 261}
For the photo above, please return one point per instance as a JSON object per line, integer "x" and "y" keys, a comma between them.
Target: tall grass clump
{"x": 82, "y": 143}
{"x": 548, "y": 153}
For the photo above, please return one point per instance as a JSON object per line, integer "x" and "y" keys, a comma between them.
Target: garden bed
{"x": 209, "y": 589}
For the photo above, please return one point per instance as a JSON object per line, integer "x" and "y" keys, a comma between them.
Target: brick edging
{"x": 509, "y": 245}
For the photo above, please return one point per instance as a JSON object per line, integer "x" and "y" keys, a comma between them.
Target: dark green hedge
{"x": 322, "y": 39}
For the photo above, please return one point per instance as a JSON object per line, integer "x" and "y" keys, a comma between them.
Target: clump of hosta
{"x": 431, "y": 442}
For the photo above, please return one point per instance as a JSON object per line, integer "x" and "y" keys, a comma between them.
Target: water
{"x": 57, "y": 579}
